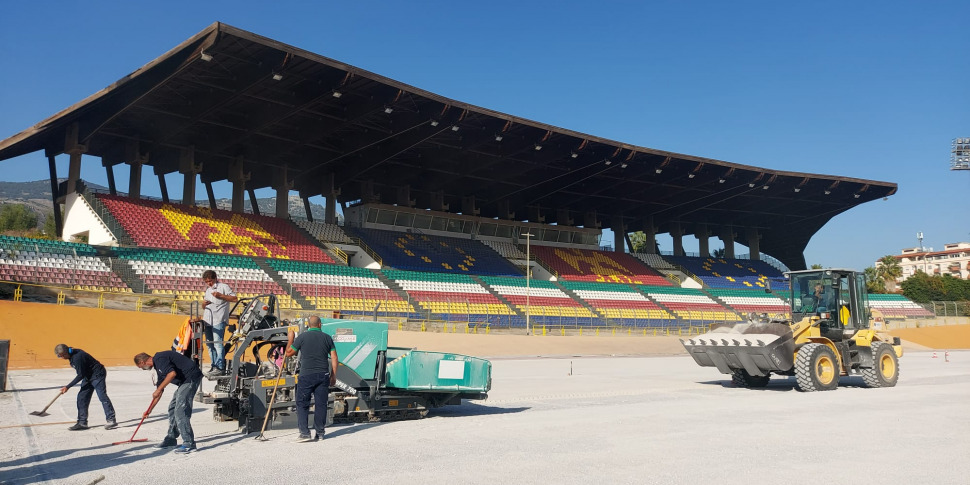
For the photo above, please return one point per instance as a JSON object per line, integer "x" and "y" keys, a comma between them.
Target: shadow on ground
{"x": 59, "y": 464}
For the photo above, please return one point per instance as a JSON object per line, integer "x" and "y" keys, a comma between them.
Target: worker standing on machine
{"x": 91, "y": 374}
{"x": 174, "y": 368}
{"x": 318, "y": 371}
{"x": 215, "y": 314}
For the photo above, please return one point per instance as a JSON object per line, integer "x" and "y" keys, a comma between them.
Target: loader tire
{"x": 816, "y": 368}
{"x": 885, "y": 366}
{"x": 741, "y": 378}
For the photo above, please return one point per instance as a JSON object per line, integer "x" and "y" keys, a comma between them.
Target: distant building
{"x": 953, "y": 260}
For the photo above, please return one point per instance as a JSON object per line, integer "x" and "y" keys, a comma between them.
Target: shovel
{"x": 132, "y": 439}
{"x": 43, "y": 412}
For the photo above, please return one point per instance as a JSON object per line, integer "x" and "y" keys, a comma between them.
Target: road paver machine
{"x": 374, "y": 382}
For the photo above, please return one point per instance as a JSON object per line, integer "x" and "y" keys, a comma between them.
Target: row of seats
{"x": 175, "y": 226}
{"x": 428, "y": 253}
{"x": 324, "y": 232}
{"x": 897, "y": 306}
{"x": 442, "y": 293}
{"x": 729, "y": 273}
{"x": 506, "y": 249}
{"x": 690, "y": 304}
{"x": 542, "y": 298}
{"x": 597, "y": 266}
{"x": 54, "y": 263}
{"x": 346, "y": 289}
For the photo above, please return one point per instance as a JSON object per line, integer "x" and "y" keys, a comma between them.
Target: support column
{"x": 109, "y": 170}
{"x": 134, "y": 179}
{"x": 330, "y": 217}
{"x": 677, "y": 233}
{"x": 189, "y": 169}
{"x": 211, "y": 195}
{"x": 283, "y": 185}
{"x": 619, "y": 236}
{"x": 727, "y": 236}
{"x": 306, "y": 207}
{"x": 238, "y": 177}
{"x": 74, "y": 149}
{"x": 703, "y": 240}
{"x": 330, "y": 192}
{"x": 650, "y": 235}
{"x": 163, "y": 188}
{"x": 58, "y": 223}
{"x": 252, "y": 201}
{"x": 754, "y": 244}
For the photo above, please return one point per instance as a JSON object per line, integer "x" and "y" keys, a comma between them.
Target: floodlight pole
{"x": 528, "y": 281}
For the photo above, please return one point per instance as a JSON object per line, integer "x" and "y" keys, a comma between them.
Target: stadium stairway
{"x": 393, "y": 285}
{"x": 677, "y": 318}
{"x": 579, "y": 300}
{"x": 723, "y": 303}
{"x": 280, "y": 280}
{"x": 113, "y": 224}
{"x": 498, "y": 295}
{"x": 339, "y": 256}
{"x": 121, "y": 268}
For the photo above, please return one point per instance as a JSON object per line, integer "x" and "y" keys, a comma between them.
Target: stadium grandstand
{"x": 451, "y": 212}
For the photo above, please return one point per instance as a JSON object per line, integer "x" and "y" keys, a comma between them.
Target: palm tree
{"x": 816, "y": 266}
{"x": 889, "y": 270}
{"x": 874, "y": 282}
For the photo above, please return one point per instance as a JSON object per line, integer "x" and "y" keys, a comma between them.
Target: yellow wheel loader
{"x": 830, "y": 332}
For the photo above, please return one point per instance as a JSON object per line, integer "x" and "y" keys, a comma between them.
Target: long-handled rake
{"x": 143, "y": 416}
{"x": 43, "y": 412}
{"x": 272, "y": 399}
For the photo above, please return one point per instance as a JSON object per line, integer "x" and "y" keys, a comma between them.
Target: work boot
{"x": 111, "y": 424}
{"x": 304, "y": 438}
{"x": 167, "y": 443}
{"x": 78, "y": 427}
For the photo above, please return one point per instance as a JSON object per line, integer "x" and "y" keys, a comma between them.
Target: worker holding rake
{"x": 91, "y": 374}
{"x": 174, "y": 368}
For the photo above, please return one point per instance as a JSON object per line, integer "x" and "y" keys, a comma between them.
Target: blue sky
{"x": 873, "y": 90}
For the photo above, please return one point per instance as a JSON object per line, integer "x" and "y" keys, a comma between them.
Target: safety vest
{"x": 184, "y": 337}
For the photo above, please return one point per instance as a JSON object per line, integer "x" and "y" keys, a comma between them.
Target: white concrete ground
{"x": 614, "y": 420}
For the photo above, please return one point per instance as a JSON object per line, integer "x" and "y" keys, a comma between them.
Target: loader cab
{"x": 836, "y": 297}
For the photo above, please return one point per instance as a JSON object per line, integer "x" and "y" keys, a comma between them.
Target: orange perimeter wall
{"x": 111, "y": 336}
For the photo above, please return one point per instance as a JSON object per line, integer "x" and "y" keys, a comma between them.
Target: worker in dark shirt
{"x": 91, "y": 375}
{"x": 318, "y": 371}
{"x": 174, "y": 368}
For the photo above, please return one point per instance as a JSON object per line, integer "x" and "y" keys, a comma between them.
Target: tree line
{"x": 18, "y": 219}
{"x": 921, "y": 287}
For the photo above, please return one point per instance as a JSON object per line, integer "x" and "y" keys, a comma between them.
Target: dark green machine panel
{"x": 357, "y": 343}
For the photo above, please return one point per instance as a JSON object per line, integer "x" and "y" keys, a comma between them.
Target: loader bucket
{"x": 759, "y": 348}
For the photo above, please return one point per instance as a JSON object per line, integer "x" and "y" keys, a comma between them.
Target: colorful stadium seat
{"x": 690, "y": 304}
{"x": 620, "y": 304}
{"x": 439, "y": 254}
{"x": 746, "y": 301}
{"x": 597, "y": 266}
{"x": 731, "y": 273}
{"x": 897, "y": 306}
{"x": 161, "y": 225}
{"x": 547, "y": 304}
{"x": 56, "y": 263}
{"x": 349, "y": 290}
{"x": 180, "y": 274}
{"x": 453, "y": 297}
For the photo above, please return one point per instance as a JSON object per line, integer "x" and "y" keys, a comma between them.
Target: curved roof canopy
{"x": 231, "y": 96}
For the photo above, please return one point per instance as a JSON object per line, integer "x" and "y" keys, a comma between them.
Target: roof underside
{"x": 376, "y": 139}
